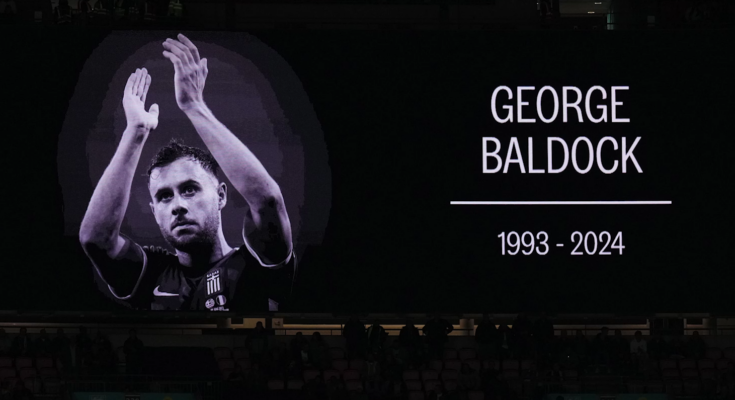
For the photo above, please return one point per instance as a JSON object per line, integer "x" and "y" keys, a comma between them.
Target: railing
{"x": 212, "y": 389}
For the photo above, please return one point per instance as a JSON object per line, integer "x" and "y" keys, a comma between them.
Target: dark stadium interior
{"x": 409, "y": 314}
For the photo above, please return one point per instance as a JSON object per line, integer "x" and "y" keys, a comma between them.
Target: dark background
{"x": 403, "y": 114}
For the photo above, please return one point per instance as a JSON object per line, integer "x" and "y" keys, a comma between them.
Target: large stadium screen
{"x": 368, "y": 171}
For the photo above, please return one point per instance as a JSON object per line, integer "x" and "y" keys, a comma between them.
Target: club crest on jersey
{"x": 221, "y": 300}
{"x": 209, "y": 303}
{"x": 213, "y": 282}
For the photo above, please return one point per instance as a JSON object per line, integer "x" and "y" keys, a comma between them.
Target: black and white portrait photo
{"x": 203, "y": 262}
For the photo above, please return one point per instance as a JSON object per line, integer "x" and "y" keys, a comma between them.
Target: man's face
{"x": 186, "y": 202}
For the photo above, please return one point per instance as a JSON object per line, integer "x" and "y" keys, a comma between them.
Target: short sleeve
{"x": 128, "y": 278}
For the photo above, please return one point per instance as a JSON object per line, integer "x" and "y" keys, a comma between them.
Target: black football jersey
{"x": 238, "y": 282}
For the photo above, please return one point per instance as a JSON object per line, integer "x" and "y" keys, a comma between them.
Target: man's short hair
{"x": 176, "y": 149}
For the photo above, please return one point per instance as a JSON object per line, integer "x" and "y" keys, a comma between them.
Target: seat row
{"x": 26, "y": 362}
{"x": 690, "y": 363}
{"x": 28, "y": 372}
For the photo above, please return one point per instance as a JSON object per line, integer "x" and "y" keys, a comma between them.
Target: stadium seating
{"x": 706, "y": 363}
{"x": 475, "y": 364}
{"x": 310, "y": 374}
{"x": 6, "y": 362}
{"x": 44, "y": 362}
{"x": 276, "y": 384}
{"x": 328, "y": 374}
{"x": 729, "y": 353}
{"x": 450, "y": 354}
{"x": 451, "y": 384}
{"x": 222, "y": 352}
{"x": 416, "y": 395}
{"x": 336, "y": 353}
{"x": 687, "y": 363}
{"x": 430, "y": 385}
{"x": 7, "y": 373}
{"x": 467, "y": 353}
{"x": 52, "y": 386}
{"x": 354, "y": 385}
{"x": 27, "y": 373}
{"x": 411, "y": 375}
{"x": 449, "y": 375}
{"x": 244, "y": 363}
{"x": 668, "y": 364}
{"x": 476, "y": 395}
{"x": 239, "y": 353}
{"x": 429, "y": 375}
{"x": 357, "y": 364}
{"x": 226, "y": 363}
{"x": 436, "y": 365}
{"x": 655, "y": 387}
{"x": 294, "y": 384}
{"x": 351, "y": 374}
{"x": 453, "y": 364}
{"x": 23, "y": 362}
{"x": 413, "y": 385}
{"x": 340, "y": 365}
{"x": 713, "y": 353}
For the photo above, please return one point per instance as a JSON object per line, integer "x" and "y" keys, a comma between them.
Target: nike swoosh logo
{"x": 156, "y": 292}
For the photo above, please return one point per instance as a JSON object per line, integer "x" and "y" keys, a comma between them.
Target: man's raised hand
{"x": 134, "y": 102}
{"x": 190, "y": 71}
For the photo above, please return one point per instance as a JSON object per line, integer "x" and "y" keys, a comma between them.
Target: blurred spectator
{"x": 318, "y": 352}
{"x": 638, "y": 347}
{"x": 62, "y": 348}
{"x": 21, "y": 392}
{"x": 22, "y": 344}
{"x": 43, "y": 344}
{"x": 5, "y": 343}
{"x": 85, "y": 9}
{"x": 657, "y": 347}
{"x": 354, "y": 334}
{"x": 437, "y": 331}
{"x": 676, "y": 347}
{"x": 409, "y": 338}
{"x": 486, "y": 336}
{"x": 567, "y": 354}
{"x": 504, "y": 341}
{"x": 543, "y": 338}
{"x": 236, "y": 375}
{"x": 63, "y": 12}
{"x": 621, "y": 348}
{"x": 603, "y": 347}
{"x": 695, "y": 347}
{"x": 83, "y": 345}
{"x": 581, "y": 347}
{"x": 133, "y": 349}
{"x": 8, "y": 7}
{"x": 376, "y": 336}
{"x": 469, "y": 379}
{"x": 275, "y": 361}
{"x": 102, "y": 357}
{"x": 257, "y": 341}
{"x": 520, "y": 335}
{"x": 392, "y": 370}
{"x": 372, "y": 377}
{"x": 297, "y": 344}
{"x": 43, "y": 9}
{"x": 175, "y": 9}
